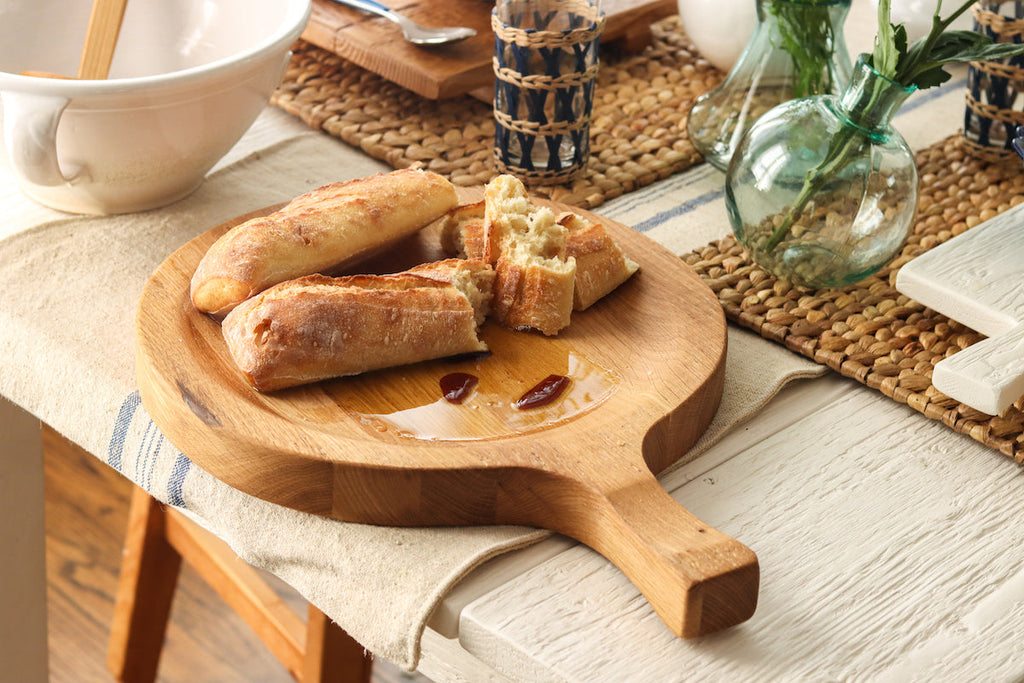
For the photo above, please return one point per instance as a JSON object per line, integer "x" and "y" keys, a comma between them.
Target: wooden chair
{"x": 157, "y": 540}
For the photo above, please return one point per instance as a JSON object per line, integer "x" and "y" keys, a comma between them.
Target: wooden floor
{"x": 86, "y": 512}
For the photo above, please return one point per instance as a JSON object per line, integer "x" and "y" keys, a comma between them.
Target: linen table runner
{"x": 66, "y": 325}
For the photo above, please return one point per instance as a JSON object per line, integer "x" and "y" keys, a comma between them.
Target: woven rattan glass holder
{"x": 545, "y": 67}
{"x": 995, "y": 89}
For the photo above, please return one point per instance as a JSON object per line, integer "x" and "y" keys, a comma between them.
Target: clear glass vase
{"x": 797, "y": 49}
{"x": 822, "y": 191}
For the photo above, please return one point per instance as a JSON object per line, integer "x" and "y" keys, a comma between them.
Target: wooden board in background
{"x": 443, "y": 71}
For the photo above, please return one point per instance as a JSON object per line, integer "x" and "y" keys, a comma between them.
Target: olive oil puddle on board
{"x": 409, "y": 401}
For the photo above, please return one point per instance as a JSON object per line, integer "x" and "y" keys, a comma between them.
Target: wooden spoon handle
{"x": 698, "y": 579}
{"x": 101, "y": 38}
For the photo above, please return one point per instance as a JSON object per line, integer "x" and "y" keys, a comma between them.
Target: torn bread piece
{"x": 331, "y": 225}
{"x": 600, "y": 264}
{"x": 534, "y": 278}
{"x": 317, "y": 327}
{"x": 462, "y": 233}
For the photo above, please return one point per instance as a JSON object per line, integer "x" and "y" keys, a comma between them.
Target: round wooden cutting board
{"x": 646, "y": 366}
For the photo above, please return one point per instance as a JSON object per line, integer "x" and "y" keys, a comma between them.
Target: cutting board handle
{"x": 698, "y": 579}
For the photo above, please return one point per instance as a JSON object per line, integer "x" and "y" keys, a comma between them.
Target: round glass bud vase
{"x": 822, "y": 191}
{"x": 797, "y": 49}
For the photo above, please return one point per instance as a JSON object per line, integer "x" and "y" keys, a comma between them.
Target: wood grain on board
{"x": 646, "y": 366}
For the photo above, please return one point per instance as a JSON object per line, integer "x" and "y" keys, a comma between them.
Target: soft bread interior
{"x": 462, "y": 232}
{"x": 473, "y": 277}
{"x": 534, "y": 279}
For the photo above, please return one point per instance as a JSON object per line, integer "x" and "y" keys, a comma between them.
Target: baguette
{"x": 474, "y": 277}
{"x": 317, "y": 327}
{"x": 534, "y": 279}
{"x": 331, "y": 225}
{"x": 462, "y": 233}
{"x": 600, "y": 264}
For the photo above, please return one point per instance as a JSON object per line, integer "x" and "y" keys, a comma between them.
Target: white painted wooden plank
{"x": 976, "y": 278}
{"x": 23, "y": 647}
{"x": 889, "y": 549}
{"x": 491, "y": 574}
{"x": 988, "y": 375}
{"x": 444, "y": 661}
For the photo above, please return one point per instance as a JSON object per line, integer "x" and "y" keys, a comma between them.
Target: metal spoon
{"x": 414, "y": 33}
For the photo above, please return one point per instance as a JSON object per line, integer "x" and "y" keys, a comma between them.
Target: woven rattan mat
{"x": 870, "y": 331}
{"x": 637, "y": 131}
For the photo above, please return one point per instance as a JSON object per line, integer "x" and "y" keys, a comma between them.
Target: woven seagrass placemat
{"x": 637, "y": 130}
{"x": 870, "y": 331}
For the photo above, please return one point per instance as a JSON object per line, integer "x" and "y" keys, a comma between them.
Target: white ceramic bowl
{"x": 188, "y": 78}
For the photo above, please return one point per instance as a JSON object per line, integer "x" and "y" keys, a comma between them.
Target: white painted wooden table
{"x": 889, "y": 550}
{"x": 889, "y": 547}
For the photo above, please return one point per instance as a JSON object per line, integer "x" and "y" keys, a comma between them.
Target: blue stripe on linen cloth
{"x": 115, "y": 451}
{"x": 139, "y": 451}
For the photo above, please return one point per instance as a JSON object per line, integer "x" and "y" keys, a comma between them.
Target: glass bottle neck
{"x": 836, "y": 9}
{"x": 872, "y": 100}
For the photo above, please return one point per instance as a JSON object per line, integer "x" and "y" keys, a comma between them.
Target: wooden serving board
{"x": 647, "y": 368}
{"x": 975, "y": 279}
{"x": 443, "y": 71}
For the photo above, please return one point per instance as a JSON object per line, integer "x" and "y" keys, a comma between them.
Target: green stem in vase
{"x": 919, "y": 67}
{"x": 840, "y": 150}
{"x": 807, "y": 35}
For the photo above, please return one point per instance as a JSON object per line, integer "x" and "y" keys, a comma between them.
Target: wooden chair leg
{"x": 242, "y": 588}
{"x": 158, "y": 539}
{"x": 333, "y": 655}
{"x": 149, "y": 575}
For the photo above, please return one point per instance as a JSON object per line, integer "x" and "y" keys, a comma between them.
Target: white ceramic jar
{"x": 719, "y": 29}
{"x": 188, "y": 78}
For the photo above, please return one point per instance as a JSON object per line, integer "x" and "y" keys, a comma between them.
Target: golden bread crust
{"x": 337, "y": 223}
{"x": 317, "y": 327}
{"x": 600, "y": 264}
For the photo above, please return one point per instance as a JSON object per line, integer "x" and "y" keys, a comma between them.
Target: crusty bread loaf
{"x": 600, "y": 264}
{"x": 317, "y": 327}
{"x": 533, "y": 286}
{"x": 332, "y": 225}
{"x": 474, "y": 277}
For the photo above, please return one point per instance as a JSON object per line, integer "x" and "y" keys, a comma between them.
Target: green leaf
{"x": 899, "y": 39}
{"x": 931, "y": 78}
{"x": 953, "y": 45}
{"x": 923, "y": 64}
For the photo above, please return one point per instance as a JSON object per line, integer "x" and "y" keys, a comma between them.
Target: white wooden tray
{"x": 977, "y": 279}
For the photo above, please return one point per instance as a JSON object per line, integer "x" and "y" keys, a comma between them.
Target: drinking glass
{"x": 545, "y": 66}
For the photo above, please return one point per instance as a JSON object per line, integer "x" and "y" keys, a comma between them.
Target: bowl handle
{"x": 30, "y": 135}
